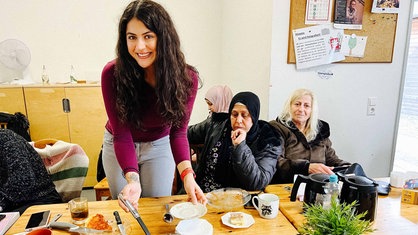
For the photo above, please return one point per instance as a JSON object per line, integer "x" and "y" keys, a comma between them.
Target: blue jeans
{"x": 156, "y": 167}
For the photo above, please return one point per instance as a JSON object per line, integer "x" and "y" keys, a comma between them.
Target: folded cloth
{"x": 67, "y": 164}
{"x": 383, "y": 187}
{"x": 354, "y": 169}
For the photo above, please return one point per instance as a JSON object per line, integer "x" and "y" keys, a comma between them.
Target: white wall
{"x": 60, "y": 33}
{"x": 241, "y": 43}
{"x": 342, "y": 99}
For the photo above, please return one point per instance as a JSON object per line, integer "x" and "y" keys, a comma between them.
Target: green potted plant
{"x": 340, "y": 218}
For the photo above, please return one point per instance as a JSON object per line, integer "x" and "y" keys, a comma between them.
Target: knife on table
{"x": 75, "y": 229}
{"x": 135, "y": 214}
{"x": 119, "y": 223}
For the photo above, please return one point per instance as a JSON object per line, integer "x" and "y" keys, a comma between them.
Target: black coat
{"x": 24, "y": 180}
{"x": 249, "y": 166}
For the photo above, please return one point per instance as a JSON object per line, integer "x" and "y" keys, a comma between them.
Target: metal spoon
{"x": 168, "y": 217}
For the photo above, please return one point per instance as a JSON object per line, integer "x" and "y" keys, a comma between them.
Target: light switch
{"x": 371, "y": 101}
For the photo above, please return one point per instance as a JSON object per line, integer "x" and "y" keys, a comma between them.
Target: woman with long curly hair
{"x": 148, "y": 91}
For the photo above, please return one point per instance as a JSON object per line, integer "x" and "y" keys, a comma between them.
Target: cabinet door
{"x": 45, "y": 113}
{"x": 12, "y": 100}
{"x": 86, "y": 123}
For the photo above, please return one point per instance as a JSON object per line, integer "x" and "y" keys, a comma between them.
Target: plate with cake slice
{"x": 237, "y": 220}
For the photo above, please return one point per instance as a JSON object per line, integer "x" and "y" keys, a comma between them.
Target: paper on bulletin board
{"x": 354, "y": 45}
{"x": 385, "y": 6}
{"x": 317, "y": 45}
{"x": 318, "y": 11}
{"x": 349, "y": 14}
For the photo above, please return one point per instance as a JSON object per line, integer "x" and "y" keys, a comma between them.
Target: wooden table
{"x": 152, "y": 210}
{"x": 392, "y": 216}
{"x": 102, "y": 190}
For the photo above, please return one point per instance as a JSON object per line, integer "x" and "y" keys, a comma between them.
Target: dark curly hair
{"x": 173, "y": 81}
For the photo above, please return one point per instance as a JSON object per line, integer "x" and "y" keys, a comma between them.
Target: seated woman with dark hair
{"x": 307, "y": 147}
{"x": 24, "y": 180}
{"x": 239, "y": 152}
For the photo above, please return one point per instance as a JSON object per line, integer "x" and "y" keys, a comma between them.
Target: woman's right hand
{"x": 132, "y": 191}
{"x": 194, "y": 192}
{"x": 320, "y": 168}
{"x": 237, "y": 136}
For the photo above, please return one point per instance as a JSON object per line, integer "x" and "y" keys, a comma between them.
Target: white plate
{"x": 194, "y": 227}
{"x": 228, "y": 198}
{"x": 248, "y": 220}
{"x": 188, "y": 210}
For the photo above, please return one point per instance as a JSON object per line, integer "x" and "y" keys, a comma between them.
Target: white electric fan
{"x": 14, "y": 60}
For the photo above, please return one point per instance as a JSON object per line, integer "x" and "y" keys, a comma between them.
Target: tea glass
{"x": 79, "y": 210}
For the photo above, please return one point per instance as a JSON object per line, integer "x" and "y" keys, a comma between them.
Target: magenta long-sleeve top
{"x": 153, "y": 126}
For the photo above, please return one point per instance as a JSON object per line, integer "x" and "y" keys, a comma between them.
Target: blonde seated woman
{"x": 307, "y": 147}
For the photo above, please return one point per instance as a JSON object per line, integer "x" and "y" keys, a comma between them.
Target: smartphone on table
{"x": 249, "y": 204}
{"x": 38, "y": 220}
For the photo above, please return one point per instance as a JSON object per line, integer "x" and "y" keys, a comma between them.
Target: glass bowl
{"x": 228, "y": 198}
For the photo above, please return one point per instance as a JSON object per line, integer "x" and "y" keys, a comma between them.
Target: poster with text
{"x": 317, "y": 45}
{"x": 349, "y": 14}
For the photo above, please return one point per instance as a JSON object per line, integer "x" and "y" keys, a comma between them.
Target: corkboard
{"x": 380, "y": 30}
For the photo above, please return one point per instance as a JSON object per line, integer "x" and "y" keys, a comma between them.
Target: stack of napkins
{"x": 7, "y": 221}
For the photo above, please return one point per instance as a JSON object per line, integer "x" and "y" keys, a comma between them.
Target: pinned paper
{"x": 318, "y": 11}
{"x": 317, "y": 45}
{"x": 385, "y": 6}
{"x": 354, "y": 45}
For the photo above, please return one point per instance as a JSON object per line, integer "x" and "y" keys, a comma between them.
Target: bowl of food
{"x": 41, "y": 231}
{"x": 228, "y": 198}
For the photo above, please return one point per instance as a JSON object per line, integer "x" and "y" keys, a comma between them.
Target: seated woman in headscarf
{"x": 240, "y": 152}
{"x": 217, "y": 98}
{"x": 24, "y": 180}
{"x": 307, "y": 147}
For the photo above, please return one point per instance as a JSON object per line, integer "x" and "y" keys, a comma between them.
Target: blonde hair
{"x": 311, "y": 129}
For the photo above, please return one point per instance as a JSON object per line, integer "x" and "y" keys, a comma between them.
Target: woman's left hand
{"x": 194, "y": 193}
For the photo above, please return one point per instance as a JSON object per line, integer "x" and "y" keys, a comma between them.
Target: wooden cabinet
{"x": 12, "y": 99}
{"x": 83, "y": 123}
{"x": 45, "y": 113}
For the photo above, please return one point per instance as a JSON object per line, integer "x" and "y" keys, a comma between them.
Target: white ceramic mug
{"x": 267, "y": 205}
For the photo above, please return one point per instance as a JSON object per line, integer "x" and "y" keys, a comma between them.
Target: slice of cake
{"x": 236, "y": 218}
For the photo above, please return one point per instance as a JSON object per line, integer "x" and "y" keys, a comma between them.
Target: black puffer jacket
{"x": 24, "y": 180}
{"x": 249, "y": 166}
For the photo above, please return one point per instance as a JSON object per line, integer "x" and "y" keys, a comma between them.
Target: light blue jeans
{"x": 156, "y": 167}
